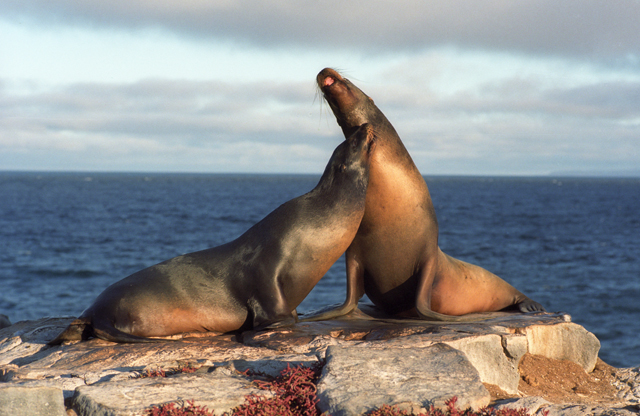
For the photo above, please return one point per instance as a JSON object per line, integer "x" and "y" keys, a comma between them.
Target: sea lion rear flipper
{"x": 78, "y": 330}
{"x": 83, "y": 328}
{"x": 114, "y": 335}
{"x": 429, "y": 315}
{"x": 105, "y": 330}
{"x": 528, "y": 305}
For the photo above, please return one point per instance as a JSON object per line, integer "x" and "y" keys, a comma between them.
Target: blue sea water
{"x": 573, "y": 244}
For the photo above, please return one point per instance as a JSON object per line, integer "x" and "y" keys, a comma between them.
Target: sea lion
{"x": 395, "y": 258}
{"x": 255, "y": 281}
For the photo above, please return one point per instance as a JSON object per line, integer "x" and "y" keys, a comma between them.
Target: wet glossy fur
{"x": 254, "y": 281}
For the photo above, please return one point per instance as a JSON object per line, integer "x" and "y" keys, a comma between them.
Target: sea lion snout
{"x": 327, "y": 77}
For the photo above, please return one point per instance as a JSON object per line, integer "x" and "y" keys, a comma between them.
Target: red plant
{"x": 170, "y": 409}
{"x": 154, "y": 373}
{"x": 162, "y": 373}
{"x": 187, "y": 369}
{"x": 294, "y": 394}
{"x": 386, "y": 410}
{"x": 451, "y": 410}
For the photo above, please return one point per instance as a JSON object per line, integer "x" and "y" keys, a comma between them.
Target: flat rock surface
{"x": 353, "y": 383}
{"x": 31, "y": 401}
{"x": 218, "y": 391}
{"x": 497, "y": 348}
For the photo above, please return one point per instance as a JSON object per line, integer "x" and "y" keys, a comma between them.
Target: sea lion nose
{"x": 327, "y": 77}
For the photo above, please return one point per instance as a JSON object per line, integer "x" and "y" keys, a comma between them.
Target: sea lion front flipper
{"x": 355, "y": 290}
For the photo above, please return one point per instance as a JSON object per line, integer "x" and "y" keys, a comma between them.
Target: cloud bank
{"x": 486, "y": 87}
{"x": 583, "y": 28}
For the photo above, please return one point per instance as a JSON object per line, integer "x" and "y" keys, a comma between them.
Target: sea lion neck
{"x": 350, "y": 105}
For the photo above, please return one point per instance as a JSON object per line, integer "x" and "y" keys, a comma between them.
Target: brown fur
{"x": 395, "y": 258}
{"x": 254, "y": 281}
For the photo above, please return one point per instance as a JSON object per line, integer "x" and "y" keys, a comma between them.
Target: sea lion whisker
{"x": 323, "y": 104}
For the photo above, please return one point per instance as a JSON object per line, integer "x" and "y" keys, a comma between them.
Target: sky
{"x": 472, "y": 87}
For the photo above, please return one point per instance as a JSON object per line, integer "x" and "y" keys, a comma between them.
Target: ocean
{"x": 572, "y": 244}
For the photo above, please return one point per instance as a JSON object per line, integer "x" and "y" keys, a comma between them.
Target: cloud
{"x": 164, "y": 108}
{"x": 509, "y": 125}
{"x": 616, "y": 101}
{"x": 473, "y": 87}
{"x": 166, "y": 125}
{"x": 581, "y": 28}
{"x": 517, "y": 123}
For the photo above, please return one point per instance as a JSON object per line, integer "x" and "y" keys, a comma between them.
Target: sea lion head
{"x": 349, "y": 104}
{"x": 351, "y": 159}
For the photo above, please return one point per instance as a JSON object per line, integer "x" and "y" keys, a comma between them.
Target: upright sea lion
{"x": 395, "y": 258}
{"x": 254, "y": 281}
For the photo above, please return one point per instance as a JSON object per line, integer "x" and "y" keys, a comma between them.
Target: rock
{"x": 273, "y": 366}
{"x": 488, "y": 351}
{"x": 353, "y": 383}
{"x": 537, "y": 406}
{"x": 495, "y": 358}
{"x": 219, "y": 391}
{"x": 566, "y": 341}
{"x": 22, "y": 342}
{"x": 31, "y": 401}
{"x": 532, "y": 404}
{"x": 628, "y": 384}
{"x": 581, "y": 410}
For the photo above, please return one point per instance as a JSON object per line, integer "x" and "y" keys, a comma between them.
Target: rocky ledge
{"x": 542, "y": 362}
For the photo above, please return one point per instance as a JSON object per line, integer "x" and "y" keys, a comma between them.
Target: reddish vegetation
{"x": 154, "y": 373}
{"x": 294, "y": 394}
{"x": 161, "y": 373}
{"x": 170, "y": 409}
{"x": 451, "y": 410}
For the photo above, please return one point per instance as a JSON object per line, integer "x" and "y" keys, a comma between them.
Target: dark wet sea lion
{"x": 395, "y": 258}
{"x": 254, "y": 281}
